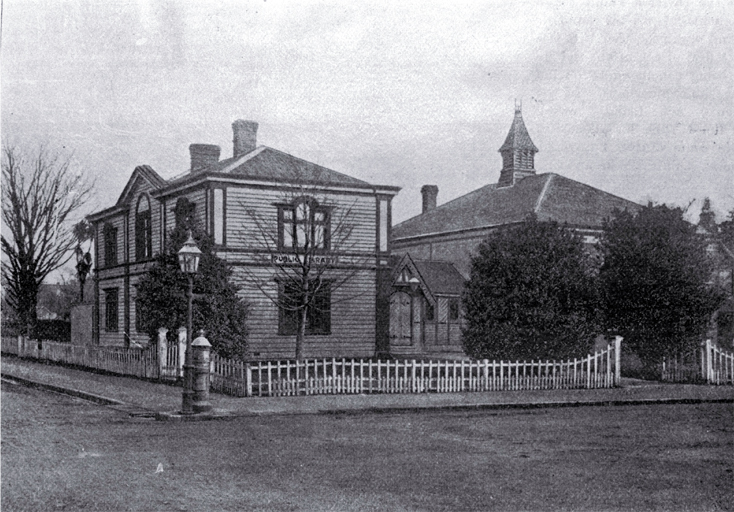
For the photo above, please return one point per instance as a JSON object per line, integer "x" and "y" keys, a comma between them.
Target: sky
{"x": 633, "y": 97}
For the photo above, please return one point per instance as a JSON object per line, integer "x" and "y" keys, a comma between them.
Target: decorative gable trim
{"x": 405, "y": 270}
{"x": 141, "y": 173}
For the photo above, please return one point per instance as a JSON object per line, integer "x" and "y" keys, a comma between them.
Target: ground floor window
{"x": 111, "y": 309}
{"x": 318, "y": 314}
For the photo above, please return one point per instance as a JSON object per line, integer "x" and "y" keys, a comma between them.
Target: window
{"x": 430, "y": 312}
{"x": 184, "y": 213}
{"x": 110, "y": 245}
{"x": 111, "y": 310}
{"x": 453, "y": 309}
{"x": 143, "y": 231}
{"x": 318, "y": 314}
{"x": 304, "y": 225}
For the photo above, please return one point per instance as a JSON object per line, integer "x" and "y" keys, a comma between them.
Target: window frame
{"x": 318, "y": 318}
{"x": 143, "y": 231}
{"x": 112, "y": 321}
{"x": 184, "y": 213}
{"x": 289, "y": 222}
{"x": 110, "y": 245}
{"x": 430, "y": 312}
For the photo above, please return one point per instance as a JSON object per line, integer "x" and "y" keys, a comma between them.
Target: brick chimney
{"x": 203, "y": 155}
{"x": 429, "y": 193}
{"x": 245, "y": 137}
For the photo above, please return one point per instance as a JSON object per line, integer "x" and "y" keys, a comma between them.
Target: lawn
{"x": 64, "y": 454}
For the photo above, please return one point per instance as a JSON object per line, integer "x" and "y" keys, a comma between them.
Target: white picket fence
{"x": 355, "y": 376}
{"x": 711, "y": 365}
{"x": 138, "y": 362}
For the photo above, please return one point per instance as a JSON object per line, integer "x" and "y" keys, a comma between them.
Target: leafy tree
{"x": 726, "y": 233}
{"x": 40, "y": 192}
{"x": 531, "y": 295}
{"x": 655, "y": 282}
{"x": 161, "y": 300}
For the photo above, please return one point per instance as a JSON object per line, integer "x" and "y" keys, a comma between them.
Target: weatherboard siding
{"x": 352, "y": 318}
{"x": 252, "y": 217}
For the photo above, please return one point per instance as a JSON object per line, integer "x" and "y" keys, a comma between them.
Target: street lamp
{"x": 414, "y": 284}
{"x": 188, "y": 260}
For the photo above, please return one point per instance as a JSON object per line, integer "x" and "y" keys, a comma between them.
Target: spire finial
{"x": 518, "y": 106}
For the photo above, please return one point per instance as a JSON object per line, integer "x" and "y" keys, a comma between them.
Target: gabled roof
{"x": 435, "y": 277}
{"x": 549, "y": 196}
{"x": 141, "y": 172}
{"x": 518, "y": 137}
{"x": 441, "y": 277}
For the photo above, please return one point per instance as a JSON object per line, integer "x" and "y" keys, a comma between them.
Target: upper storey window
{"x": 304, "y": 225}
{"x": 110, "y": 245}
{"x": 184, "y": 213}
{"x": 143, "y": 230}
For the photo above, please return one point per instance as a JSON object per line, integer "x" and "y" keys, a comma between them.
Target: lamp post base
{"x": 187, "y": 402}
{"x": 200, "y": 407}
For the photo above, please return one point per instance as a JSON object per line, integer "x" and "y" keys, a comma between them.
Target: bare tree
{"x": 312, "y": 250}
{"x": 40, "y": 192}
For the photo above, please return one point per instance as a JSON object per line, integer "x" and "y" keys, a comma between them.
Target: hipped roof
{"x": 549, "y": 196}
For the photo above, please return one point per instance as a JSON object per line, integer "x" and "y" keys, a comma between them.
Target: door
{"x": 400, "y": 319}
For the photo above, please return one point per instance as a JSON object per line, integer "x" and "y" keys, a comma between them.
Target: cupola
{"x": 518, "y": 152}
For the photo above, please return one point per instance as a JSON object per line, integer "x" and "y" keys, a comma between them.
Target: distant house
{"x": 722, "y": 277}
{"x": 234, "y": 200}
{"x": 448, "y": 235}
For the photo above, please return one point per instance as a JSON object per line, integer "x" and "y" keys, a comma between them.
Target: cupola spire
{"x": 518, "y": 152}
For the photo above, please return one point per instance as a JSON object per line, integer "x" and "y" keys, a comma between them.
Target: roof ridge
{"x": 543, "y": 192}
{"x": 244, "y": 158}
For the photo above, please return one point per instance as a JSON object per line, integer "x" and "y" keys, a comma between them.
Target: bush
{"x": 162, "y": 302}
{"x": 655, "y": 282}
{"x": 532, "y": 294}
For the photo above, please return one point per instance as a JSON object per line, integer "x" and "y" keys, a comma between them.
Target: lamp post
{"x": 188, "y": 260}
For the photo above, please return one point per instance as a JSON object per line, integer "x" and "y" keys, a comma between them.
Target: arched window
{"x": 303, "y": 225}
{"x": 143, "y": 230}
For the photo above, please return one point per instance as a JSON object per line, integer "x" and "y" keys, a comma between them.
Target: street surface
{"x": 60, "y": 453}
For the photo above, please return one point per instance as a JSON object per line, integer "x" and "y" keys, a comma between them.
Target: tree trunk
{"x": 301, "y": 333}
{"x": 27, "y": 303}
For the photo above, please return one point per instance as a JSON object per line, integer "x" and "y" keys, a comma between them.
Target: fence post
{"x": 617, "y": 360}
{"x": 162, "y": 350}
{"x": 709, "y": 367}
{"x": 181, "y": 350}
{"x": 248, "y": 379}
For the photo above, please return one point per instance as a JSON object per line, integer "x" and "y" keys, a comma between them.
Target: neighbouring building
{"x": 722, "y": 277}
{"x": 252, "y": 205}
{"x": 444, "y": 237}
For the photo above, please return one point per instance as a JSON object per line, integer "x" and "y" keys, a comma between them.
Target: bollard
{"x": 201, "y": 348}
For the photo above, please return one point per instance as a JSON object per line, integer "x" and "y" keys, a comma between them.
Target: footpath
{"x": 144, "y": 398}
